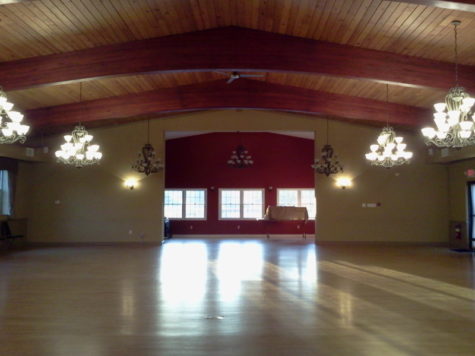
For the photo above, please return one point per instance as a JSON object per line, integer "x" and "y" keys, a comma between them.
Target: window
{"x": 185, "y": 204}
{"x": 471, "y": 211}
{"x": 5, "y": 193}
{"x": 241, "y": 203}
{"x": 298, "y": 197}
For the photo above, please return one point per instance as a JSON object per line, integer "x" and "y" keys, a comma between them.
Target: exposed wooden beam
{"x": 232, "y": 48}
{"x": 242, "y": 93}
{"x": 7, "y": 2}
{"x": 461, "y": 5}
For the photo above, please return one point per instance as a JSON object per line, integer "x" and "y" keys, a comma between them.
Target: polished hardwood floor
{"x": 237, "y": 297}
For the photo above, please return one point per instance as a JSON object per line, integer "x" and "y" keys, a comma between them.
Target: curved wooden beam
{"x": 461, "y": 5}
{"x": 242, "y": 93}
{"x": 232, "y": 48}
{"x": 7, "y": 2}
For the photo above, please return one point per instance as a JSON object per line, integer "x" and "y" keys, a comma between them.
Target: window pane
{"x": 252, "y": 207}
{"x": 5, "y": 193}
{"x": 287, "y": 197}
{"x": 195, "y": 204}
{"x": 173, "y": 204}
{"x": 230, "y": 204}
{"x": 307, "y": 199}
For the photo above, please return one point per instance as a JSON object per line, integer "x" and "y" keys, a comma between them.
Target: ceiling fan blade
{"x": 232, "y": 79}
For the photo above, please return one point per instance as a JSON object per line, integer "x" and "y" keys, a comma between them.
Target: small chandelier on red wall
{"x": 240, "y": 157}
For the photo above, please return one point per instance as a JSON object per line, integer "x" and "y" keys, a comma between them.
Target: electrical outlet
{"x": 131, "y": 232}
{"x": 191, "y": 227}
{"x": 29, "y": 152}
{"x": 238, "y": 227}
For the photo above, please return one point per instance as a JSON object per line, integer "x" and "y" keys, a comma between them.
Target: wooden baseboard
{"x": 84, "y": 244}
{"x": 241, "y": 236}
{"x": 383, "y": 243}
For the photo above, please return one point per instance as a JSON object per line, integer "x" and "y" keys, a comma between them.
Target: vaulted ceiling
{"x": 147, "y": 58}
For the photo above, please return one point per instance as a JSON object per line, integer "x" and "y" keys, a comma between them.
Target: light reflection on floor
{"x": 237, "y": 297}
{"x": 217, "y": 278}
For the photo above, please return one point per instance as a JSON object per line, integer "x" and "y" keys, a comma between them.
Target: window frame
{"x": 183, "y": 204}
{"x": 471, "y": 213}
{"x": 241, "y": 205}
{"x": 299, "y": 199}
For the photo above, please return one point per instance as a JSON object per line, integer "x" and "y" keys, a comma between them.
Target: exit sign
{"x": 470, "y": 173}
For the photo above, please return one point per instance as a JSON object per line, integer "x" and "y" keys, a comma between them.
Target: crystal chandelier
{"x": 11, "y": 128}
{"x": 147, "y": 162}
{"x": 390, "y": 150}
{"x": 454, "y": 118}
{"x": 78, "y": 151}
{"x": 240, "y": 157}
{"x": 328, "y": 163}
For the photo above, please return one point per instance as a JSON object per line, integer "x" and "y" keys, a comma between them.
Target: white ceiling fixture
{"x": 390, "y": 150}
{"x": 11, "y": 128}
{"x": 454, "y": 118}
{"x": 78, "y": 151}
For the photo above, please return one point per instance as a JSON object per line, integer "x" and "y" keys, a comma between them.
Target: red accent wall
{"x": 200, "y": 162}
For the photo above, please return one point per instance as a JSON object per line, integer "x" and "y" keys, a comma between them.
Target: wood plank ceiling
{"x": 46, "y": 27}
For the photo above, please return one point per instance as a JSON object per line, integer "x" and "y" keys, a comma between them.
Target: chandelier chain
{"x": 387, "y": 102}
{"x": 327, "y": 134}
{"x": 455, "y": 23}
{"x": 148, "y": 131}
{"x": 80, "y": 101}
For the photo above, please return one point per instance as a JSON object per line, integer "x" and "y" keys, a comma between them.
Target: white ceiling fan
{"x": 235, "y": 75}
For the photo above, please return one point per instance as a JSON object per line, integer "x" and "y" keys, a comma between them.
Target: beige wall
{"x": 95, "y": 207}
{"x": 93, "y": 204}
{"x": 413, "y": 197}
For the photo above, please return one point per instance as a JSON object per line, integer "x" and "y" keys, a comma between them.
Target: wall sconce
{"x": 130, "y": 183}
{"x": 270, "y": 188}
{"x": 344, "y": 182}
